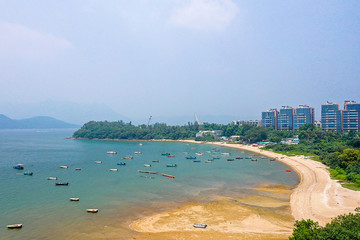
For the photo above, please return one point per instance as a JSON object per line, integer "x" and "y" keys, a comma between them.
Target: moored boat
{"x": 216, "y": 157}
{"x": 165, "y": 154}
{"x": 98, "y": 162}
{"x": 74, "y": 199}
{"x": 142, "y": 171}
{"x": 171, "y": 165}
{"x": 121, "y": 163}
{"x": 239, "y": 157}
{"x": 64, "y": 167}
{"x": 167, "y": 175}
{"x": 113, "y": 170}
{"x": 19, "y": 166}
{"x": 230, "y": 159}
{"x": 226, "y": 154}
{"x": 129, "y": 157}
{"x": 254, "y": 159}
{"x": 77, "y": 169}
{"x": 155, "y": 161}
{"x": 199, "y": 225}
{"x": 190, "y": 157}
{"x": 92, "y": 210}
{"x": 147, "y": 165}
{"x": 288, "y": 170}
{"x": 52, "y": 178}
{"x": 61, "y": 183}
{"x": 196, "y": 161}
{"x": 137, "y": 152}
{"x": 28, "y": 173}
{"x": 13, "y": 226}
{"x": 209, "y": 161}
{"x": 170, "y": 155}
{"x": 111, "y": 152}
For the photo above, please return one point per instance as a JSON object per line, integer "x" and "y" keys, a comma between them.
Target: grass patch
{"x": 351, "y": 186}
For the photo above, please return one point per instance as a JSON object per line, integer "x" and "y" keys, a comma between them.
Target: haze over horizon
{"x": 105, "y": 60}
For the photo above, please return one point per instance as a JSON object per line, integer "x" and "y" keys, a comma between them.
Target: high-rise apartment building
{"x": 303, "y": 114}
{"x": 270, "y": 118}
{"x": 351, "y": 116}
{"x": 331, "y": 117}
{"x": 286, "y": 118}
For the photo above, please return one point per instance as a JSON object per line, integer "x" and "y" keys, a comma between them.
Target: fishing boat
{"x": 198, "y": 225}
{"x": 190, "y": 157}
{"x": 226, "y": 154}
{"x": 171, "y": 165}
{"x": 272, "y": 159}
{"x": 155, "y": 161}
{"x": 196, "y": 161}
{"x": 170, "y": 155}
{"x": 74, "y": 199}
{"x": 147, "y": 165}
{"x": 209, "y": 161}
{"x": 98, "y": 162}
{"x": 111, "y": 152}
{"x": 287, "y": 170}
{"x": 121, "y": 163}
{"x": 216, "y": 157}
{"x": 165, "y": 154}
{"x": 137, "y": 152}
{"x": 64, "y": 167}
{"x": 77, "y": 169}
{"x": 13, "y": 226}
{"x": 142, "y": 171}
{"x": 28, "y": 173}
{"x": 113, "y": 170}
{"x": 92, "y": 210}
{"x": 61, "y": 183}
{"x": 18, "y": 167}
{"x": 167, "y": 175}
{"x": 140, "y": 144}
{"x": 129, "y": 157}
{"x": 199, "y": 154}
{"x": 230, "y": 159}
{"x": 239, "y": 157}
{"x": 254, "y": 159}
{"x": 52, "y": 178}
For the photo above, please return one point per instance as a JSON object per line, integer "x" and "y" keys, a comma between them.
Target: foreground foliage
{"x": 343, "y": 227}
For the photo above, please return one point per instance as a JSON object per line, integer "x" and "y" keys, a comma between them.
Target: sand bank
{"x": 316, "y": 197}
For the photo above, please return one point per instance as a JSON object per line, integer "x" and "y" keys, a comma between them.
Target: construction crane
{"x": 149, "y": 120}
{"x": 197, "y": 119}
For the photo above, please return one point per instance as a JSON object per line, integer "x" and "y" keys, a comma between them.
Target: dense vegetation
{"x": 343, "y": 227}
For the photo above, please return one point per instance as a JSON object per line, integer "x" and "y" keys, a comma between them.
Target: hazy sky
{"x": 180, "y": 57}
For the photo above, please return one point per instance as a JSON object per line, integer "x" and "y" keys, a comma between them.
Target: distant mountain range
{"x": 40, "y": 122}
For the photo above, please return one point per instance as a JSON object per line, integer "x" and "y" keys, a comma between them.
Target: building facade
{"x": 254, "y": 123}
{"x": 331, "y": 117}
{"x": 270, "y": 118}
{"x": 350, "y": 116}
{"x": 303, "y": 114}
{"x": 286, "y": 118}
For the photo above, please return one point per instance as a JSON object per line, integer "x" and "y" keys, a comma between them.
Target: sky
{"x": 171, "y": 59}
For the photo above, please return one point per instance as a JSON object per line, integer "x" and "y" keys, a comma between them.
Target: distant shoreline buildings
{"x": 332, "y": 118}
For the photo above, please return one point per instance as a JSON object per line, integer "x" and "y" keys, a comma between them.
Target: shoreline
{"x": 317, "y": 196}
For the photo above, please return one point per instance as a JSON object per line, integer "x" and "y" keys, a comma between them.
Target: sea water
{"x": 46, "y": 212}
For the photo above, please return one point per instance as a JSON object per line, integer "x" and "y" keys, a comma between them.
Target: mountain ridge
{"x": 37, "y": 122}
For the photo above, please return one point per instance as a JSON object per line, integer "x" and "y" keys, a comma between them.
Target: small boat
{"x": 28, "y": 173}
{"x": 208, "y": 151}
{"x": 209, "y": 161}
{"x": 61, "y": 183}
{"x": 287, "y": 170}
{"x": 98, "y": 162}
{"x": 74, "y": 199}
{"x": 18, "y": 167}
{"x": 142, "y": 171}
{"x": 230, "y": 159}
{"x": 140, "y": 144}
{"x": 147, "y": 165}
{"x": 247, "y": 157}
{"x": 92, "y": 210}
{"x": 137, "y": 152}
{"x": 272, "y": 159}
{"x": 254, "y": 159}
{"x": 111, "y": 152}
{"x": 165, "y": 154}
{"x": 199, "y": 154}
{"x": 113, "y": 170}
{"x": 77, "y": 169}
{"x": 155, "y": 161}
{"x": 216, "y": 157}
{"x": 190, "y": 157}
{"x": 171, "y": 165}
{"x": 239, "y": 157}
{"x": 226, "y": 154}
{"x": 64, "y": 167}
{"x": 52, "y": 178}
{"x": 196, "y": 161}
{"x": 198, "y": 225}
{"x": 171, "y": 155}
{"x": 13, "y": 226}
{"x": 167, "y": 175}
{"x": 128, "y": 157}
{"x": 121, "y": 163}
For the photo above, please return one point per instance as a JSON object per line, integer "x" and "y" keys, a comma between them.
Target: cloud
{"x": 205, "y": 14}
{"x": 19, "y": 41}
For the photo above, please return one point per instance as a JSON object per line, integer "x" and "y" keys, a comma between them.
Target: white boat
{"x": 98, "y": 162}
{"x": 137, "y": 152}
{"x": 52, "y": 178}
{"x": 199, "y": 154}
{"x": 74, "y": 199}
{"x": 11, "y": 226}
{"x": 140, "y": 144}
{"x": 147, "y": 165}
{"x": 198, "y": 225}
{"x": 209, "y": 161}
{"x": 64, "y": 166}
{"x": 113, "y": 169}
{"x": 111, "y": 152}
{"x": 92, "y": 210}
{"x": 226, "y": 154}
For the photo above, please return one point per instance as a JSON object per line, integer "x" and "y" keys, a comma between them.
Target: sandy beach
{"x": 316, "y": 197}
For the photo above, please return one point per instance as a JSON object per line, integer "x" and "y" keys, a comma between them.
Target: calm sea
{"x": 46, "y": 212}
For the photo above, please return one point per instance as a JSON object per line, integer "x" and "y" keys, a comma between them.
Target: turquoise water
{"x": 46, "y": 212}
